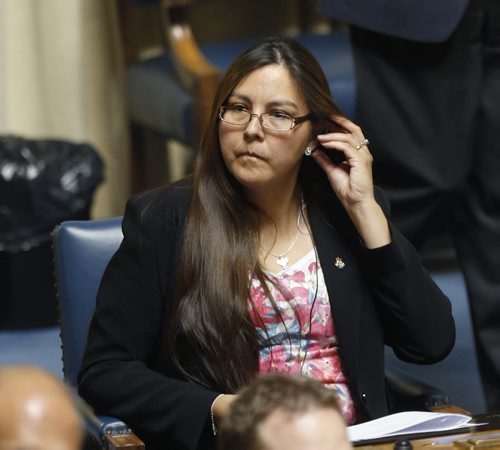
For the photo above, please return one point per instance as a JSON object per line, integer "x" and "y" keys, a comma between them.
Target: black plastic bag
{"x": 43, "y": 182}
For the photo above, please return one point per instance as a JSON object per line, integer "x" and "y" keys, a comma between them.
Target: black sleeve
{"x": 119, "y": 375}
{"x": 416, "y": 315}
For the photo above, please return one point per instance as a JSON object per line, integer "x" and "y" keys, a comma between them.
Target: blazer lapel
{"x": 341, "y": 272}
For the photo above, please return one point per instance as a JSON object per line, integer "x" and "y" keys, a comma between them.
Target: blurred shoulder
{"x": 165, "y": 204}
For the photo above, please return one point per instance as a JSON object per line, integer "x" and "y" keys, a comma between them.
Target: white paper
{"x": 408, "y": 422}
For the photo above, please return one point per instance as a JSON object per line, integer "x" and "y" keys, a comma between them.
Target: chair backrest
{"x": 82, "y": 250}
{"x": 177, "y": 52}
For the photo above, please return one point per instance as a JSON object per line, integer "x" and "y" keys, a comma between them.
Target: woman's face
{"x": 258, "y": 157}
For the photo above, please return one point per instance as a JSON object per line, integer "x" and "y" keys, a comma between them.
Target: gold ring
{"x": 362, "y": 144}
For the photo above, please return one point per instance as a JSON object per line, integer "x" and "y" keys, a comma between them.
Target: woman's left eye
{"x": 279, "y": 115}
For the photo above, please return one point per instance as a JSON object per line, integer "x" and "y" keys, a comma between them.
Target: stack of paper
{"x": 409, "y": 422}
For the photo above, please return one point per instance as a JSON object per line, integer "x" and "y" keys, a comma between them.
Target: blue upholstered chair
{"x": 169, "y": 95}
{"x": 82, "y": 250}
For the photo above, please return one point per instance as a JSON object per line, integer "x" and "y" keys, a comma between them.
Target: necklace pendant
{"x": 339, "y": 263}
{"x": 282, "y": 262}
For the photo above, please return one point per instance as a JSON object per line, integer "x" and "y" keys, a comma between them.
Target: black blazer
{"x": 381, "y": 296}
{"x": 416, "y": 20}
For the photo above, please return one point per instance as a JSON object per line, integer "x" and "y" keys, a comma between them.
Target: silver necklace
{"x": 281, "y": 259}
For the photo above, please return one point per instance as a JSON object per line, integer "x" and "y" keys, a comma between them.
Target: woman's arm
{"x": 121, "y": 373}
{"x": 416, "y": 315}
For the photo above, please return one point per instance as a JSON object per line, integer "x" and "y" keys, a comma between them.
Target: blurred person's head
{"x": 37, "y": 411}
{"x": 284, "y": 412}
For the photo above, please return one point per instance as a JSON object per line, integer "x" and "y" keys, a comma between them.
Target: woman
{"x": 271, "y": 258}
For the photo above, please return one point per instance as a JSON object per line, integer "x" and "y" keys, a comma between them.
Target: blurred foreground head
{"x": 37, "y": 411}
{"x": 284, "y": 412}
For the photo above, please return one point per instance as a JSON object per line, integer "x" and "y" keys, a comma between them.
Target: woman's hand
{"x": 352, "y": 180}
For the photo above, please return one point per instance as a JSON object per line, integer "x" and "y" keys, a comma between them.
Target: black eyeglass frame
{"x": 295, "y": 120}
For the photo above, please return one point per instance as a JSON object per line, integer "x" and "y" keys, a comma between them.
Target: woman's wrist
{"x": 219, "y": 409}
{"x": 371, "y": 223}
{"x": 213, "y": 414}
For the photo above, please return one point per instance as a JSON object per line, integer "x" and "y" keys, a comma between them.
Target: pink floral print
{"x": 300, "y": 336}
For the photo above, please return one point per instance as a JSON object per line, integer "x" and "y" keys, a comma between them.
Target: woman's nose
{"x": 255, "y": 125}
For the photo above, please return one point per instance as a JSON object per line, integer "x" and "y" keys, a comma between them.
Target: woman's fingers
{"x": 354, "y": 141}
{"x": 338, "y": 144}
{"x": 347, "y": 125}
{"x": 352, "y": 137}
{"x": 344, "y": 144}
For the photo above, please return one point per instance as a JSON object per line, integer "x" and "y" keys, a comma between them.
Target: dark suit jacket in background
{"x": 382, "y": 296}
{"x": 416, "y": 20}
{"x": 428, "y": 98}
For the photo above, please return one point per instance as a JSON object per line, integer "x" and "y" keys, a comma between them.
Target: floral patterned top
{"x": 301, "y": 337}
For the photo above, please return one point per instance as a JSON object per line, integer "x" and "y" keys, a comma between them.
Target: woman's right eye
{"x": 238, "y": 107}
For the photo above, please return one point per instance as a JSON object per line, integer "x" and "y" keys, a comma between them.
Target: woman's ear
{"x": 312, "y": 146}
{"x": 313, "y": 142}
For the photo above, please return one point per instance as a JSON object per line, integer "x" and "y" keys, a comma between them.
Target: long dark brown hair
{"x": 219, "y": 254}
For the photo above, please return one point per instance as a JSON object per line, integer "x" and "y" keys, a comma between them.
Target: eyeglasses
{"x": 275, "y": 120}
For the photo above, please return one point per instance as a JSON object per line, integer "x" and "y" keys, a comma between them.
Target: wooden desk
{"x": 481, "y": 437}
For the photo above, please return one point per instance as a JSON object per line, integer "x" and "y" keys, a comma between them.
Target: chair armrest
{"x": 112, "y": 433}
{"x": 449, "y": 409}
{"x": 128, "y": 441}
{"x": 406, "y": 393}
{"x": 196, "y": 73}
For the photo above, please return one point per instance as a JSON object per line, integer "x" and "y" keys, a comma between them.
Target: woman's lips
{"x": 249, "y": 154}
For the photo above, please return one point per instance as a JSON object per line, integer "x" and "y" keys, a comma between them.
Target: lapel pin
{"x": 339, "y": 263}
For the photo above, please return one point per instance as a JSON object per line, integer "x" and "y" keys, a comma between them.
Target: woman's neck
{"x": 280, "y": 208}
{"x": 284, "y": 231}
